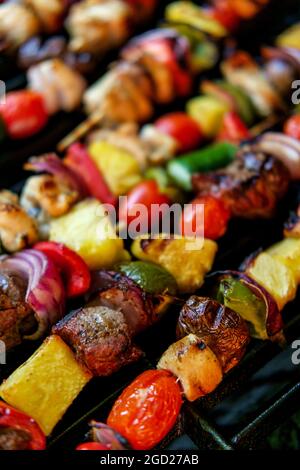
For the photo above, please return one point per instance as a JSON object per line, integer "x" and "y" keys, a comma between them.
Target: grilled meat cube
{"x": 14, "y": 439}
{"x": 16, "y": 317}
{"x": 50, "y": 14}
{"x": 100, "y": 337}
{"x": 251, "y": 186}
{"x": 17, "y": 24}
{"x": 118, "y": 292}
{"x": 222, "y": 329}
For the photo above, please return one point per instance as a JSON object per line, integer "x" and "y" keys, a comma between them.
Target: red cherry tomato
{"x": 233, "y": 129}
{"x": 216, "y": 217}
{"x": 183, "y": 129}
{"x": 24, "y": 113}
{"x": 91, "y": 446}
{"x": 147, "y": 194}
{"x": 74, "y": 270}
{"x": 292, "y": 127}
{"x": 225, "y": 15}
{"x": 147, "y": 409}
{"x": 14, "y": 419}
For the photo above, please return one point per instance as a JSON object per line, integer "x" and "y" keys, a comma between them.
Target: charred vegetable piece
{"x": 253, "y": 304}
{"x": 277, "y": 278}
{"x": 215, "y": 156}
{"x": 87, "y": 230}
{"x": 150, "y": 277}
{"x": 147, "y": 409}
{"x": 222, "y": 329}
{"x": 195, "y": 365}
{"x": 187, "y": 259}
{"x": 19, "y": 431}
{"x": 46, "y": 385}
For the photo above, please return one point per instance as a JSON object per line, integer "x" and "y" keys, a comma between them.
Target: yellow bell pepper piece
{"x": 180, "y": 256}
{"x": 119, "y": 168}
{"x": 290, "y": 37}
{"x": 46, "y": 385}
{"x": 288, "y": 252}
{"x": 275, "y": 276}
{"x": 208, "y": 112}
{"x": 87, "y": 230}
{"x": 190, "y": 14}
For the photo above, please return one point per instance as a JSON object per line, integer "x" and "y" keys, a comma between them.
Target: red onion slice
{"x": 45, "y": 291}
{"x": 50, "y": 163}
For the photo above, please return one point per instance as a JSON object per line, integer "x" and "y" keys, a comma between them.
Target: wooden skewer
{"x": 266, "y": 124}
{"x": 80, "y": 131}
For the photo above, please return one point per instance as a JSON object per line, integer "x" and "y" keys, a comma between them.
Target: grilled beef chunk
{"x": 14, "y": 439}
{"x": 100, "y": 337}
{"x": 222, "y": 329}
{"x": 118, "y": 292}
{"x": 16, "y": 317}
{"x": 251, "y": 186}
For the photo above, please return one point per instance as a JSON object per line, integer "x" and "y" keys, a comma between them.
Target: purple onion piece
{"x": 45, "y": 290}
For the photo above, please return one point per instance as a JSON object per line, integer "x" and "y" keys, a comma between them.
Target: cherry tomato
{"x": 216, "y": 217}
{"x": 91, "y": 446}
{"x": 12, "y": 418}
{"x": 224, "y": 14}
{"x": 74, "y": 270}
{"x": 147, "y": 409}
{"x": 183, "y": 129}
{"x": 233, "y": 129}
{"x": 24, "y": 113}
{"x": 292, "y": 127}
{"x": 147, "y": 194}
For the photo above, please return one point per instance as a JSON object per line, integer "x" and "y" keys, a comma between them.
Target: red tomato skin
{"x": 147, "y": 409}
{"x": 146, "y": 193}
{"x": 216, "y": 217}
{"x": 15, "y": 419}
{"x": 75, "y": 271}
{"x": 292, "y": 127}
{"x": 225, "y": 15}
{"x": 91, "y": 446}
{"x": 24, "y": 114}
{"x": 183, "y": 129}
{"x": 233, "y": 129}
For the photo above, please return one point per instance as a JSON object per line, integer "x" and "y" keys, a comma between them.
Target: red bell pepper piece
{"x": 74, "y": 270}
{"x": 14, "y": 419}
{"x": 81, "y": 163}
{"x": 233, "y": 129}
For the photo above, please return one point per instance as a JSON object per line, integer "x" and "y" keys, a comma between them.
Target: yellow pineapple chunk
{"x": 46, "y": 384}
{"x": 87, "y": 230}
{"x": 288, "y": 252}
{"x": 180, "y": 256}
{"x": 277, "y": 278}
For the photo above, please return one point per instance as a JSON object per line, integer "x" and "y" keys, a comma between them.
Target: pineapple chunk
{"x": 46, "y": 384}
{"x": 288, "y": 252}
{"x": 88, "y": 231}
{"x": 181, "y": 257}
{"x": 120, "y": 169}
{"x": 195, "y": 364}
{"x": 277, "y": 278}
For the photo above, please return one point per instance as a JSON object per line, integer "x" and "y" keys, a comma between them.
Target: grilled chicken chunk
{"x": 17, "y": 24}
{"x": 50, "y": 13}
{"x": 17, "y": 229}
{"x": 61, "y": 87}
{"x": 100, "y": 337}
{"x": 251, "y": 186}
{"x": 16, "y": 317}
{"x": 222, "y": 329}
{"x": 98, "y": 25}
